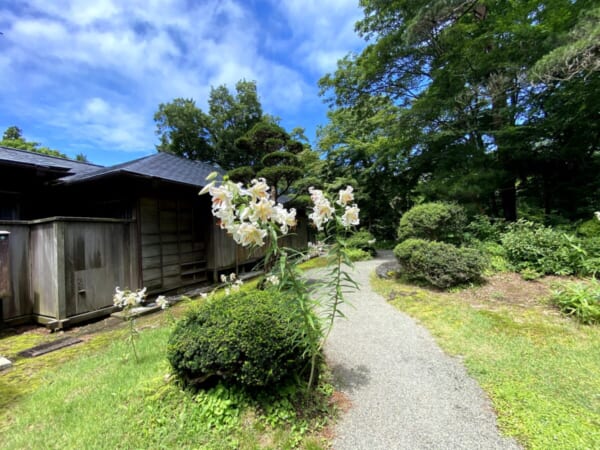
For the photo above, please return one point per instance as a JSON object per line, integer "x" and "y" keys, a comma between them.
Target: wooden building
{"x": 75, "y": 231}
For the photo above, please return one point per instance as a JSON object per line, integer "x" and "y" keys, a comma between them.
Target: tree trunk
{"x": 508, "y": 199}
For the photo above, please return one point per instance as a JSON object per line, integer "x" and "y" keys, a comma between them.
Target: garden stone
{"x": 4, "y": 363}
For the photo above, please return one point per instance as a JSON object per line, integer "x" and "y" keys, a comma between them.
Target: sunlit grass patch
{"x": 95, "y": 395}
{"x": 542, "y": 371}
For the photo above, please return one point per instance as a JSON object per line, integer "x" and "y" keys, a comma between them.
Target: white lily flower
{"x": 345, "y": 196}
{"x": 350, "y": 216}
{"x": 258, "y": 189}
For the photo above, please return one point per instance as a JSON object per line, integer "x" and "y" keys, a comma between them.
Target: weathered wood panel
{"x": 98, "y": 258}
{"x": 19, "y": 302}
{"x": 43, "y": 256}
{"x": 225, "y": 254}
{"x": 169, "y": 243}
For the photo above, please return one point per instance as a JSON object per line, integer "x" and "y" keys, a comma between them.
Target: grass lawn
{"x": 95, "y": 395}
{"x": 541, "y": 370}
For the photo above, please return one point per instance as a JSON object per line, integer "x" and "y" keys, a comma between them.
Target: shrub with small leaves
{"x": 589, "y": 228}
{"x": 579, "y": 299}
{"x": 438, "y": 263}
{"x": 356, "y": 254}
{"x": 541, "y": 249}
{"x": 246, "y": 338}
{"x": 484, "y": 228}
{"x": 434, "y": 221}
{"x": 362, "y": 240}
{"x": 495, "y": 255}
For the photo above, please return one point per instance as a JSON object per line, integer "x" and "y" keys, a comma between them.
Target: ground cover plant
{"x": 540, "y": 369}
{"x": 95, "y": 395}
{"x": 579, "y": 299}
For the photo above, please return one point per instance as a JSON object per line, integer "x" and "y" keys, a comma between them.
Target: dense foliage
{"x": 491, "y": 104}
{"x": 579, "y": 299}
{"x": 531, "y": 246}
{"x": 13, "y": 138}
{"x": 246, "y": 338}
{"x": 438, "y": 263}
{"x": 435, "y": 221}
{"x": 589, "y": 228}
{"x": 362, "y": 240}
{"x": 185, "y": 130}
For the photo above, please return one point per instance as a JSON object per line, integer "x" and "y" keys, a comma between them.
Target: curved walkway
{"x": 405, "y": 393}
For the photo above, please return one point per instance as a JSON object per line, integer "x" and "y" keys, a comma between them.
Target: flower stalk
{"x": 253, "y": 219}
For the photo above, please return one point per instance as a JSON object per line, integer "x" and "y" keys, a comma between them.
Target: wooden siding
{"x": 225, "y": 254}
{"x": 97, "y": 258}
{"x": 19, "y": 302}
{"x": 65, "y": 267}
{"x": 44, "y": 259}
{"x": 173, "y": 243}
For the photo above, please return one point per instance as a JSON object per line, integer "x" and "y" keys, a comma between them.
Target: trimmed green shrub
{"x": 362, "y": 240}
{"x": 438, "y": 263}
{"x": 541, "y": 249}
{"x": 434, "y": 221}
{"x": 404, "y": 250}
{"x": 580, "y": 300}
{"x": 356, "y": 254}
{"x": 247, "y": 338}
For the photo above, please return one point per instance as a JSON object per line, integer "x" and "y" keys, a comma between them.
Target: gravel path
{"x": 405, "y": 393}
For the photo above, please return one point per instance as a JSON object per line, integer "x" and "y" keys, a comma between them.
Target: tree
{"x": 270, "y": 153}
{"x": 363, "y": 150}
{"x": 579, "y": 54}
{"x": 231, "y": 117}
{"x": 13, "y": 138}
{"x": 12, "y": 134}
{"x": 458, "y": 71}
{"x": 184, "y": 130}
{"x": 187, "y": 131}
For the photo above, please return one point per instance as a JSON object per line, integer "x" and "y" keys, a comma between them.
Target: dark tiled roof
{"x": 163, "y": 166}
{"x": 27, "y": 158}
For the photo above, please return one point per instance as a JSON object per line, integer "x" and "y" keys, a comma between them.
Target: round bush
{"x": 362, "y": 240}
{"x": 434, "y": 221}
{"x": 438, "y": 263}
{"x": 404, "y": 250}
{"x": 248, "y": 338}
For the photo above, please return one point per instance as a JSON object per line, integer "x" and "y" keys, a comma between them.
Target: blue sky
{"x": 84, "y": 76}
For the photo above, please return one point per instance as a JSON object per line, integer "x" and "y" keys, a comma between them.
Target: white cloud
{"x": 325, "y": 30}
{"x": 98, "y": 70}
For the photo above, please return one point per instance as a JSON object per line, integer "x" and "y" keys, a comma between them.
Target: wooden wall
{"x": 66, "y": 267}
{"x": 98, "y": 256}
{"x": 173, "y": 237}
{"x": 44, "y": 271}
{"x": 19, "y": 303}
{"x": 224, "y": 254}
